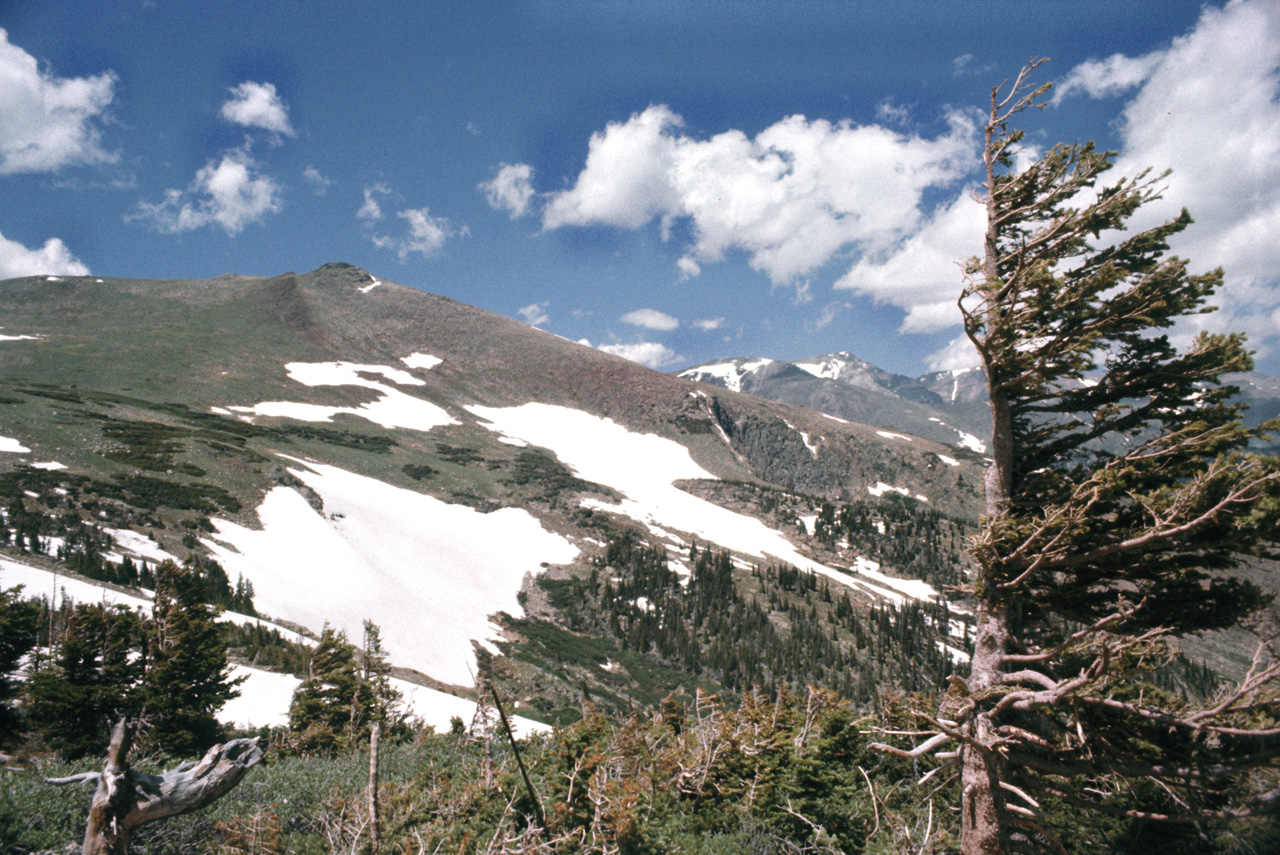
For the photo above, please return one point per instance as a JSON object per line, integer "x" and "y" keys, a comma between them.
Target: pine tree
{"x": 1119, "y": 497}
{"x": 321, "y": 711}
{"x": 18, "y": 621}
{"x": 92, "y": 681}
{"x": 187, "y": 678}
{"x": 377, "y": 699}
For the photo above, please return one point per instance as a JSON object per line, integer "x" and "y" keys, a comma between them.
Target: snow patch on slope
{"x": 424, "y": 361}
{"x": 827, "y": 369}
{"x": 808, "y": 441}
{"x": 138, "y": 545}
{"x": 643, "y": 468}
{"x": 880, "y": 488}
{"x": 891, "y": 435}
{"x": 729, "y": 374}
{"x": 38, "y": 582}
{"x": 265, "y": 697}
{"x": 966, "y": 440}
{"x": 394, "y": 409}
{"x": 12, "y": 446}
{"x": 429, "y": 573}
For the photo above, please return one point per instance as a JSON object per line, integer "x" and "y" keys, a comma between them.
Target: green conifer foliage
{"x": 345, "y": 692}
{"x": 92, "y": 681}
{"x": 18, "y": 621}
{"x": 187, "y": 680}
{"x": 1120, "y": 494}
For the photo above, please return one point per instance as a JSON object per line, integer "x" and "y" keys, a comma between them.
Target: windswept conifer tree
{"x": 187, "y": 679}
{"x": 1120, "y": 496}
{"x": 344, "y": 693}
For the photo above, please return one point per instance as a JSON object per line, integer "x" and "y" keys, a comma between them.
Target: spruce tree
{"x": 345, "y": 693}
{"x": 187, "y": 678}
{"x": 377, "y": 699}
{"x": 321, "y": 711}
{"x": 18, "y": 621}
{"x": 1119, "y": 497}
{"x": 92, "y": 681}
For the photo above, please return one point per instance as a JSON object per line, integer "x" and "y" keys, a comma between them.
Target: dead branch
{"x": 126, "y": 799}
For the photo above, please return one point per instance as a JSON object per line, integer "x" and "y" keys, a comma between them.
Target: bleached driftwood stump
{"x": 126, "y": 799}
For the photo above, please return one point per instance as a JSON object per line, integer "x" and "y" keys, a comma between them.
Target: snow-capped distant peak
{"x": 829, "y": 367}
{"x": 729, "y": 373}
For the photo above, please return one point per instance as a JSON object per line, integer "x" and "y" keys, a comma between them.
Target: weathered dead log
{"x": 126, "y": 799}
{"x": 375, "y": 831}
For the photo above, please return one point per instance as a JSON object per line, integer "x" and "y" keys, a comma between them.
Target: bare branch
{"x": 919, "y": 751}
{"x": 126, "y": 799}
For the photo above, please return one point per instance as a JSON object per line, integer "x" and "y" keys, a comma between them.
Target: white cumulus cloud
{"x": 922, "y": 273}
{"x": 230, "y": 193}
{"x": 52, "y": 259}
{"x": 1209, "y": 109}
{"x": 651, "y": 319}
{"x": 425, "y": 235}
{"x": 792, "y": 197}
{"x": 959, "y": 354}
{"x": 649, "y": 353}
{"x": 709, "y": 324}
{"x": 511, "y": 189}
{"x": 535, "y": 314}
{"x": 48, "y": 122}
{"x": 257, "y": 105}
{"x": 1102, "y": 78}
{"x": 628, "y": 177}
{"x": 371, "y": 209}
{"x": 319, "y": 183}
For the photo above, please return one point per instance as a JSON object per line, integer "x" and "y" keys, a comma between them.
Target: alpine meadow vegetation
{"x": 1120, "y": 496}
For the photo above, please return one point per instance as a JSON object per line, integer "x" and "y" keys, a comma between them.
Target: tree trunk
{"x": 126, "y": 799}
{"x": 375, "y": 836}
{"x": 983, "y": 830}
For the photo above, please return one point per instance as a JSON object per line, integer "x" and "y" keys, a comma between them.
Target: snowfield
{"x": 891, "y": 435}
{"x": 138, "y": 545}
{"x": 826, "y": 370}
{"x": 643, "y": 468}
{"x": 880, "y": 488}
{"x": 425, "y": 361}
{"x": 38, "y": 582}
{"x": 427, "y": 572}
{"x": 726, "y": 372}
{"x": 394, "y": 409}
{"x": 13, "y": 446}
{"x": 265, "y": 697}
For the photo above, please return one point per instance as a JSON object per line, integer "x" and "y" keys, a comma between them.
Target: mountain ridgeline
{"x": 946, "y": 406}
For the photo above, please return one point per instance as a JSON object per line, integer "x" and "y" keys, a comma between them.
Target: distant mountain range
{"x": 946, "y": 406}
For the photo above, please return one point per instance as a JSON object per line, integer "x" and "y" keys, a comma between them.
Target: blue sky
{"x": 673, "y": 181}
